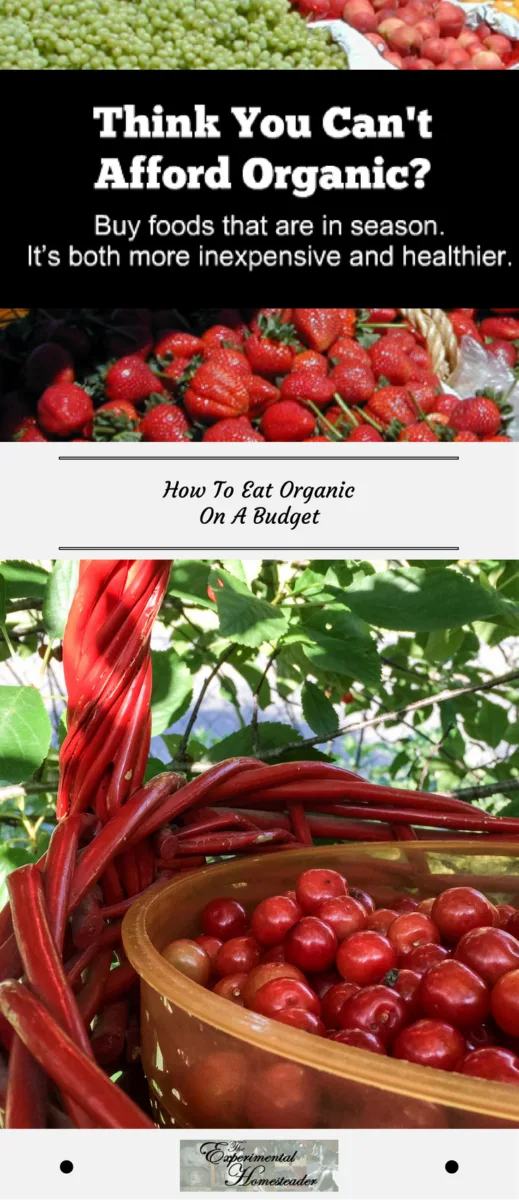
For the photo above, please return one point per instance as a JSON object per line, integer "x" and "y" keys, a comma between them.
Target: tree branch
{"x": 370, "y": 722}
{"x": 196, "y": 708}
{"x": 487, "y": 789}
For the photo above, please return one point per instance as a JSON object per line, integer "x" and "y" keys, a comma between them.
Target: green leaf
{"x": 154, "y": 766}
{"x": 487, "y": 722}
{"x": 172, "y": 689}
{"x": 253, "y": 676}
{"x": 272, "y": 735}
{"x": 336, "y": 641}
{"x": 196, "y": 751}
{"x": 421, "y": 600}
{"x": 11, "y": 857}
{"x": 243, "y": 617}
{"x": 25, "y": 733}
{"x": 58, "y": 596}
{"x": 512, "y": 734}
{"x": 442, "y": 644}
{"x": 2, "y": 601}
{"x": 318, "y": 711}
{"x": 189, "y": 581}
{"x": 23, "y": 579}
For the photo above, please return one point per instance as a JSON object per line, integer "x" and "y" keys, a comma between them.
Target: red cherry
{"x": 406, "y": 904}
{"x": 324, "y": 980}
{"x": 490, "y": 952}
{"x": 211, "y": 945}
{"x": 378, "y": 1009}
{"x": 459, "y": 909}
{"x": 224, "y": 918}
{"x": 491, "y": 1062}
{"x": 231, "y": 987}
{"x": 334, "y": 1001}
{"x": 431, "y": 1044}
{"x": 381, "y": 919}
{"x": 364, "y": 898}
{"x": 273, "y": 918}
{"x": 345, "y": 915}
{"x": 302, "y": 1018}
{"x": 365, "y": 958}
{"x": 263, "y": 974}
{"x": 406, "y": 984}
{"x": 361, "y": 1039}
{"x": 311, "y": 945}
{"x": 505, "y": 1003}
{"x": 238, "y": 954}
{"x": 411, "y": 930}
{"x": 281, "y": 994}
{"x": 504, "y": 911}
{"x": 451, "y": 992}
{"x": 422, "y": 957}
{"x": 315, "y": 886}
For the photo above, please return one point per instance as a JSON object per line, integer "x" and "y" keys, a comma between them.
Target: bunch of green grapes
{"x": 162, "y": 35}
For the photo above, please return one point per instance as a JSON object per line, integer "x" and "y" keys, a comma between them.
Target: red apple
{"x": 387, "y": 28}
{"x": 420, "y": 64}
{"x": 483, "y": 31}
{"x": 497, "y": 42}
{"x": 428, "y": 29}
{"x": 434, "y": 49}
{"x": 377, "y": 41}
{"x": 445, "y": 66}
{"x": 396, "y": 60}
{"x": 468, "y": 38}
{"x": 360, "y": 15}
{"x": 458, "y": 56}
{"x": 450, "y": 19}
{"x": 486, "y": 60}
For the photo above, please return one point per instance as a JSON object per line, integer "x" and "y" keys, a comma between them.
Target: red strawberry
{"x": 353, "y": 381}
{"x": 215, "y": 392}
{"x": 420, "y": 432}
{"x": 500, "y": 438}
{"x": 219, "y": 336}
{"x": 271, "y": 349}
{"x": 131, "y": 379}
{"x": 503, "y": 350}
{"x": 477, "y": 415}
{"x": 287, "y": 421}
{"x": 420, "y": 357}
{"x": 346, "y": 349}
{"x": 445, "y": 404}
{"x": 392, "y": 404}
{"x": 174, "y": 372}
{"x": 501, "y": 327}
{"x": 48, "y": 364}
{"x": 310, "y": 358}
{"x": 113, "y": 422}
{"x": 380, "y": 316}
{"x": 178, "y": 344}
{"x": 63, "y": 409}
{"x": 336, "y": 416}
{"x": 390, "y": 360}
{"x": 164, "y": 423}
{"x": 349, "y": 320}
{"x": 284, "y": 315}
{"x": 321, "y": 438}
{"x": 424, "y": 392}
{"x": 364, "y": 433}
{"x": 403, "y": 338}
{"x": 464, "y": 326}
{"x": 465, "y": 436}
{"x": 262, "y": 394}
{"x": 319, "y": 327}
{"x": 232, "y": 360}
{"x": 233, "y": 429}
{"x": 308, "y": 385}
{"x": 31, "y": 433}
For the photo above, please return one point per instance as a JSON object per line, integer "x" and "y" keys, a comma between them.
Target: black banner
{"x": 221, "y": 190}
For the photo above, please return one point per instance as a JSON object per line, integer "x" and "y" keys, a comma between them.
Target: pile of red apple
{"x": 421, "y": 35}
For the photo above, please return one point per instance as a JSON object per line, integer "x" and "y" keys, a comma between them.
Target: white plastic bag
{"x": 362, "y": 56}
{"x": 477, "y": 370}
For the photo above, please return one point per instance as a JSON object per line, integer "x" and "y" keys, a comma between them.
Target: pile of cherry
{"x": 422, "y": 35}
{"x": 434, "y": 982}
{"x": 286, "y": 375}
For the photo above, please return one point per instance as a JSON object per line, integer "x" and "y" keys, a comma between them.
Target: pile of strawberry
{"x": 435, "y": 983}
{"x": 421, "y": 35}
{"x": 286, "y": 375}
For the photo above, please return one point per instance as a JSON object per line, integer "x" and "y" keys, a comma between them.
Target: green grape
{"x": 158, "y": 35}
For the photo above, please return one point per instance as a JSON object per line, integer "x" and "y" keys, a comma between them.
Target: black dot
{"x": 451, "y": 1166}
{"x": 66, "y": 1166}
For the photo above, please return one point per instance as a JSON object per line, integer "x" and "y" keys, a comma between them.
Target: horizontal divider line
{"x": 258, "y": 458}
{"x": 268, "y": 548}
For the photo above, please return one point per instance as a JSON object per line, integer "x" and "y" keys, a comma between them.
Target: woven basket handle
{"x": 436, "y": 328}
